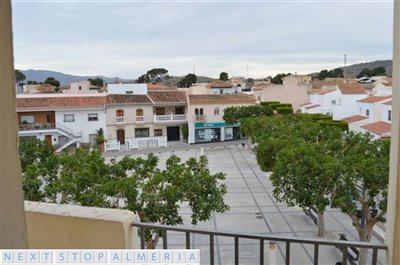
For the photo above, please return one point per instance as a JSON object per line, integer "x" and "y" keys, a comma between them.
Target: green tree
{"x": 223, "y": 76}
{"x": 188, "y": 80}
{"x": 33, "y": 82}
{"x": 236, "y": 114}
{"x": 364, "y": 73}
{"x": 363, "y": 185}
{"x": 96, "y": 82}
{"x": 145, "y": 78}
{"x": 278, "y": 78}
{"x": 378, "y": 71}
{"x": 19, "y": 76}
{"x": 322, "y": 75}
{"x": 52, "y": 81}
{"x": 157, "y": 74}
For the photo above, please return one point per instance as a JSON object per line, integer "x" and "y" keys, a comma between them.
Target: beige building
{"x": 205, "y": 117}
{"x": 82, "y": 87}
{"x": 294, "y": 90}
{"x": 39, "y": 89}
{"x": 154, "y": 117}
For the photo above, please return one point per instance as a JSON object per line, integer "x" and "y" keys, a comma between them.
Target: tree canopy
{"x": 136, "y": 184}
{"x": 19, "y": 76}
{"x": 223, "y": 76}
{"x": 187, "y": 80}
{"x": 96, "y": 82}
{"x": 236, "y": 114}
{"x": 153, "y": 75}
{"x": 335, "y": 73}
{"x": 52, "y": 81}
{"x": 377, "y": 71}
{"x": 278, "y": 78}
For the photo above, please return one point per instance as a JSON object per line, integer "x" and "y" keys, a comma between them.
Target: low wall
{"x": 52, "y": 226}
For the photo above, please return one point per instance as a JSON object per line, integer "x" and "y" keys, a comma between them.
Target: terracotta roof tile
{"x": 60, "y": 102}
{"x": 167, "y": 97}
{"x": 373, "y": 99}
{"x": 318, "y": 84}
{"x": 127, "y": 99}
{"x": 355, "y": 118}
{"x": 157, "y": 86}
{"x": 221, "y": 98}
{"x": 351, "y": 88}
{"x": 326, "y": 91}
{"x": 220, "y": 84}
{"x": 379, "y": 127}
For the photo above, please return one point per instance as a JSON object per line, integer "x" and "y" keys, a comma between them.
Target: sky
{"x": 258, "y": 38}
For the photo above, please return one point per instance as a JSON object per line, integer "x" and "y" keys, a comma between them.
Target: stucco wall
{"x": 40, "y": 116}
{"x": 74, "y": 227}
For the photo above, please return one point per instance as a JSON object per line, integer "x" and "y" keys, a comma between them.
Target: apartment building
{"x": 61, "y": 119}
{"x": 205, "y": 117}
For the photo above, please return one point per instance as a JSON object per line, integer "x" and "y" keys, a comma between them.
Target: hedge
{"x": 318, "y": 116}
{"x": 274, "y": 106}
{"x": 267, "y": 103}
{"x": 284, "y": 110}
{"x": 343, "y": 125}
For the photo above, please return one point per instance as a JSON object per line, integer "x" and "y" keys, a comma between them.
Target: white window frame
{"x": 69, "y": 115}
{"x": 95, "y": 117}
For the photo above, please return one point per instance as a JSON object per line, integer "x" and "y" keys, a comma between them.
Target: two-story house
{"x": 61, "y": 119}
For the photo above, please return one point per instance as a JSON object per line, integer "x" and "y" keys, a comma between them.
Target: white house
{"x": 372, "y": 107}
{"x": 379, "y": 129}
{"x": 61, "y": 119}
{"x": 121, "y": 89}
{"x": 386, "y": 111}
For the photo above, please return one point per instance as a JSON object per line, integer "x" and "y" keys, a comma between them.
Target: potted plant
{"x": 100, "y": 139}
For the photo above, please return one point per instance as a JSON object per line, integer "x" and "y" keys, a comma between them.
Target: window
{"x": 157, "y": 132}
{"x": 367, "y": 112}
{"x": 139, "y": 113}
{"x": 141, "y": 132}
{"x": 129, "y": 92}
{"x": 27, "y": 119}
{"x": 179, "y": 110}
{"x": 216, "y": 111}
{"x": 120, "y": 113}
{"x": 93, "y": 117}
{"x": 389, "y": 115}
{"x": 201, "y": 111}
{"x": 334, "y": 102}
{"x": 80, "y": 88}
{"x": 69, "y": 118}
{"x": 196, "y": 112}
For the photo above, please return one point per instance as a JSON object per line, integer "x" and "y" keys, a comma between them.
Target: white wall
{"x": 384, "y": 112}
{"x": 136, "y": 89}
{"x": 81, "y": 123}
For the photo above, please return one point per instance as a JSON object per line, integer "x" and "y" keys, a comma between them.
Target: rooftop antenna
{"x": 345, "y": 64}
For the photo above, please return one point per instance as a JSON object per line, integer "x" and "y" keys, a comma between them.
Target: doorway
{"x": 173, "y": 133}
{"x": 48, "y": 140}
{"x": 121, "y": 136}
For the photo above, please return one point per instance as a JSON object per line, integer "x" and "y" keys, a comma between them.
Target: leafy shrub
{"x": 343, "y": 125}
{"x": 285, "y": 110}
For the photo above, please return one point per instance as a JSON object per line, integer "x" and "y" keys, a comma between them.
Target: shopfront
{"x": 216, "y": 132}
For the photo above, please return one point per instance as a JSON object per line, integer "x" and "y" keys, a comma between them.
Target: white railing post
{"x": 272, "y": 253}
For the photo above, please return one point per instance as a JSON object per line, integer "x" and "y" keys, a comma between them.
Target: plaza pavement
{"x": 252, "y": 210}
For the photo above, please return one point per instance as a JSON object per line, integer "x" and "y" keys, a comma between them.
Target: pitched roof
{"x": 355, "y": 118}
{"x": 312, "y": 106}
{"x": 318, "y": 84}
{"x": 373, "y": 99}
{"x": 127, "y": 99}
{"x": 60, "y": 102}
{"x": 221, "y": 98}
{"x": 220, "y": 84}
{"x": 388, "y": 103}
{"x": 379, "y": 127}
{"x": 325, "y": 91}
{"x": 167, "y": 97}
{"x": 350, "y": 88}
{"x": 157, "y": 86}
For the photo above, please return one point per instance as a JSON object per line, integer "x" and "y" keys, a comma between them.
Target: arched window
{"x": 139, "y": 113}
{"x": 201, "y": 111}
{"x": 120, "y": 113}
{"x": 216, "y": 111}
{"x": 196, "y": 112}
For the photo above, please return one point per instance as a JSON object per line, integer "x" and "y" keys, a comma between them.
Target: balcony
{"x": 319, "y": 247}
{"x": 37, "y": 126}
{"x": 170, "y": 118}
{"x": 200, "y": 118}
{"x": 139, "y": 119}
{"x": 120, "y": 120}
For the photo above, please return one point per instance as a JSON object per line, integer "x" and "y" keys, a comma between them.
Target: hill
{"x": 65, "y": 79}
{"x": 352, "y": 70}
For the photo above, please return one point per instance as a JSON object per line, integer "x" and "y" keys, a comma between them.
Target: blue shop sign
{"x": 216, "y": 124}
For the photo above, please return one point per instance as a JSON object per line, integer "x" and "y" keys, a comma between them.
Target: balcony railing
{"x": 200, "y": 118}
{"x": 36, "y": 126}
{"x": 169, "y": 118}
{"x": 343, "y": 246}
{"x": 119, "y": 120}
{"x": 139, "y": 119}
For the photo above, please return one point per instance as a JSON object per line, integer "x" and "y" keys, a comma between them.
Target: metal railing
{"x": 343, "y": 246}
{"x": 119, "y": 119}
{"x": 139, "y": 119}
{"x": 36, "y": 126}
{"x": 170, "y": 117}
{"x": 200, "y": 118}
